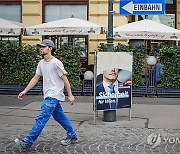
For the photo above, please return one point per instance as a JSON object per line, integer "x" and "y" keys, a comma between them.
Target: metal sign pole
{"x": 129, "y": 114}
{"x": 95, "y": 75}
{"x": 131, "y": 104}
{"x": 110, "y": 115}
{"x": 131, "y": 97}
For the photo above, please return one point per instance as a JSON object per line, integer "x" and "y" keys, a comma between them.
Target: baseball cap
{"x": 46, "y": 42}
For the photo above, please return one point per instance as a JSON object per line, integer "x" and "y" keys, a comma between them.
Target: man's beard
{"x": 43, "y": 54}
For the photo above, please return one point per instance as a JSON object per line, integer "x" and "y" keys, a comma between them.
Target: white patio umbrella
{"x": 68, "y": 26}
{"x": 10, "y": 28}
{"x": 148, "y": 30}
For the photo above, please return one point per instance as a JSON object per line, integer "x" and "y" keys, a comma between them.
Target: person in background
{"x": 54, "y": 80}
{"x": 159, "y": 71}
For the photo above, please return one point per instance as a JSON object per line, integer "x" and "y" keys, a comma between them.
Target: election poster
{"x": 113, "y": 89}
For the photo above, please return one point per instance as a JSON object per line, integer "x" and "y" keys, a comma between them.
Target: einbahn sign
{"x": 141, "y": 7}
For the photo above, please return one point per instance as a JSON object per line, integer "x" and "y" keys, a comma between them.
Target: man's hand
{"x": 31, "y": 84}
{"x": 21, "y": 95}
{"x": 71, "y": 99}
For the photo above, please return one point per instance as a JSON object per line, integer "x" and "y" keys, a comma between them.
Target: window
{"x": 57, "y": 12}
{"x": 169, "y": 1}
{"x": 166, "y": 19}
{"x": 10, "y": 12}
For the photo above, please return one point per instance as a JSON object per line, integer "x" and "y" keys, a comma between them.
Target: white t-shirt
{"x": 53, "y": 85}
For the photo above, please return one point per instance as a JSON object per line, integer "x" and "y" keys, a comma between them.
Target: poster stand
{"x": 95, "y": 74}
{"x": 129, "y": 114}
{"x": 131, "y": 105}
{"x": 94, "y": 100}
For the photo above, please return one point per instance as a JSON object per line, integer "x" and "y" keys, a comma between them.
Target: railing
{"x": 86, "y": 89}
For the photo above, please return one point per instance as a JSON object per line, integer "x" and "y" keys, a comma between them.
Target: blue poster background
{"x": 104, "y": 100}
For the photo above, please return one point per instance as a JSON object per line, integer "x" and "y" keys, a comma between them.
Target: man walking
{"x": 54, "y": 80}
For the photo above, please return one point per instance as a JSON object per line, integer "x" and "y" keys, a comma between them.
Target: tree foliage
{"x": 70, "y": 56}
{"x": 171, "y": 66}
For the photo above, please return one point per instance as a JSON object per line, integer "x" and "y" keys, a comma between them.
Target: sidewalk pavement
{"x": 154, "y": 126}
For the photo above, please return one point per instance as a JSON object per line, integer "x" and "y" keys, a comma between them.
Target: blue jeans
{"x": 50, "y": 106}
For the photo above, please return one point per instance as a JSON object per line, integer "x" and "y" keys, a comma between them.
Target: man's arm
{"x": 31, "y": 84}
{"x": 68, "y": 89}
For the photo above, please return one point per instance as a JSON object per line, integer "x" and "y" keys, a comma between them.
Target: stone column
{"x": 31, "y": 15}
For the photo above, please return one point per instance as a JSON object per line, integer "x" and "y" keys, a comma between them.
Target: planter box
{"x": 12, "y": 89}
{"x": 168, "y": 92}
{"x": 87, "y": 89}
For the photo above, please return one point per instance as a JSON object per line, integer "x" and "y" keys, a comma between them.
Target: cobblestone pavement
{"x": 95, "y": 139}
{"x": 153, "y": 129}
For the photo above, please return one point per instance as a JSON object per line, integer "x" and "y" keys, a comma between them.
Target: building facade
{"x": 32, "y": 12}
